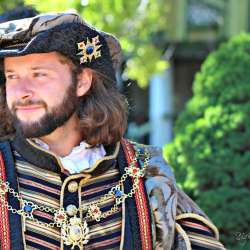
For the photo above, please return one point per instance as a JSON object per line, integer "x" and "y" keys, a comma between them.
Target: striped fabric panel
{"x": 33, "y": 171}
{"x": 38, "y": 241}
{"x": 99, "y": 186}
{"x": 200, "y": 235}
{"x": 36, "y": 189}
{"x": 44, "y": 187}
{"x": 105, "y": 234}
{"x": 112, "y": 243}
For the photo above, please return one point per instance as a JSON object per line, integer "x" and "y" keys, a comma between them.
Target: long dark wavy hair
{"x": 102, "y": 111}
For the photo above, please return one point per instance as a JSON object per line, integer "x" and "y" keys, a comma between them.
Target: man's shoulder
{"x": 162, "y": 193}
{"x": 173, "y": 210}
{"x": 156, "y": 164}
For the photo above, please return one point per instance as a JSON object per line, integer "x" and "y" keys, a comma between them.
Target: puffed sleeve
{"x": 178, "y": 223}
{"x": 193, "y": 229}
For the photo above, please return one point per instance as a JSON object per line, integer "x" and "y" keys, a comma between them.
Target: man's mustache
{"x": 26, "y": 103}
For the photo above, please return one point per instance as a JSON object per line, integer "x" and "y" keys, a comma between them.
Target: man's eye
{"x": 39, "y": 74}
{"x": 11, "y": 77}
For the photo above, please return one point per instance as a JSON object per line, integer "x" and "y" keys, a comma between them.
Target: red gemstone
{"x": 135, "y": 171}
{"x": 96, "y": 211}
{"x": 60, "y": 217}
{"x": 2, "y": 186}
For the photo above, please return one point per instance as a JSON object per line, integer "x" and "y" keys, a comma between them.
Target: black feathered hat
{"x": 66, "y": 33}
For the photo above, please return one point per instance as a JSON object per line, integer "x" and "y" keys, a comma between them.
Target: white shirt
{"x": 80, "y": 158}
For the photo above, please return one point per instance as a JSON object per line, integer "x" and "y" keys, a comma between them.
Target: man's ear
{"x": 84, "y": 81}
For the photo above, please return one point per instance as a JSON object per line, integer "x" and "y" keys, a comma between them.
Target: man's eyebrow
{"x": 9, "y": 71}
{"x": 39, "y": 67}
{"x": 33, "y": 68}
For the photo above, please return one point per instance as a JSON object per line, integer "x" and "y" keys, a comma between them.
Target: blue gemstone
{"x": 118, "y": 193}
{"x": 141, "y": 162}
{"x": 89, "y": 50}
{"x": 27, "y": 208}
{"x": 141, "y": 151}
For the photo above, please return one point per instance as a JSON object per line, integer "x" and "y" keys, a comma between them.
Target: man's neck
{"x": 65, "y": 138}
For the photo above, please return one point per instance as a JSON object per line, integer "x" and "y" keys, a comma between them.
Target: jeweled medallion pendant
{"x": 75, "y": 232}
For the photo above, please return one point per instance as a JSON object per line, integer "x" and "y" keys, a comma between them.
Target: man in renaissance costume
{"x": 68, "y": 178}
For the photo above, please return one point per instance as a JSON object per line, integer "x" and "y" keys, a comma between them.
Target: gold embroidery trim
{"x": 138, "y": 195}
{"x": 200, "y": 218}
{"x": 143, "y": 218}
{"x": 184, "y": 236}
{"x": 123, "y": 225}
{"x": 109, "y": 157}
{"x": 48, "y": 152}
{"x": 105, "y": 158}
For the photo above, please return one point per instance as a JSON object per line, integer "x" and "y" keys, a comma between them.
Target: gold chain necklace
{"x": 75, "y": 231}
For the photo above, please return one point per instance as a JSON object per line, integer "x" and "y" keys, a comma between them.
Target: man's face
{"x": 40, "y": 93}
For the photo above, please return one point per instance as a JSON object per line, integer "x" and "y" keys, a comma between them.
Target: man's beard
{"x": 51, "y": 120}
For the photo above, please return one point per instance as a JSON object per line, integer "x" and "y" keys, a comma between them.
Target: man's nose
{"x": 24, "y": 89}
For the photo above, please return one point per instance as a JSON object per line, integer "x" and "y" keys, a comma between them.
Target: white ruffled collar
{"x": 80, "y": 158}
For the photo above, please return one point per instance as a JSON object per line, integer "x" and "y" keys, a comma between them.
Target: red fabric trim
{"x": 4, "y": 218}
{"x": 141, "y": 201}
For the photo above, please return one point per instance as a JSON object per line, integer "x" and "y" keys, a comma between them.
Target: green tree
{"x": 139, "y": 24}
{"x": 8, "y": 5}
{"x": 211, "y": 151}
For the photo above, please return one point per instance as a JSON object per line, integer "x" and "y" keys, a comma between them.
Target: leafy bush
{"x": 211, "y": 151}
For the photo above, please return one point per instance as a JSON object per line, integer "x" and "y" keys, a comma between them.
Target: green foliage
{"x": 136, "y": 23}
{"x": 8, "y": 5}
{"x": 211, "y": 151}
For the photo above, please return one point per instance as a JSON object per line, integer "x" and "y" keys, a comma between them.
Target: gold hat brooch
{"x": 88, "y": 49}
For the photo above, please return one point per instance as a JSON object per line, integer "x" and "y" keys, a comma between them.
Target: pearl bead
{"x": 71, "y": 210}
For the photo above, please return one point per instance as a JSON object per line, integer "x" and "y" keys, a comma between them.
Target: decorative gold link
{"x": 49, "y": 225}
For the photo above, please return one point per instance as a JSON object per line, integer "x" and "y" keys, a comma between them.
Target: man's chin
{"x": 27, "y": 120}
{"x": 33, "y": 131}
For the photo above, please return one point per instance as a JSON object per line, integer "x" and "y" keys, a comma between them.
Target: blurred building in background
{"x": 196, "y": 28}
